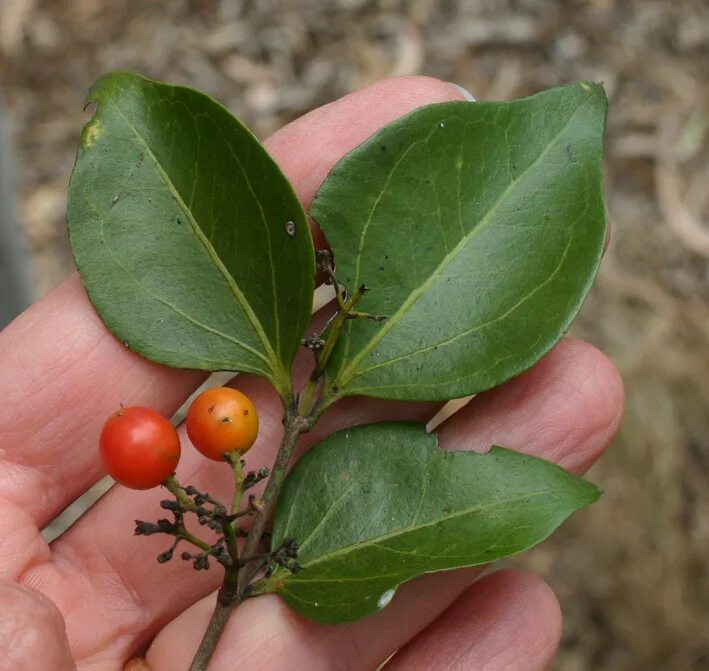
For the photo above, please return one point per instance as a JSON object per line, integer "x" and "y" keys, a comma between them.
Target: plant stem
{"x": 334, "y": 330}
{"x": 294, "y": 425}
{"x": 308, "y": 397}
{"x": 235, "y": 461}
{"x": 300, "y": 416}
{"x": 237, "y": 580}
{"x": 229, "y": 527}
{"x": 216, "y": 626}
{"x": 345, "y": 313}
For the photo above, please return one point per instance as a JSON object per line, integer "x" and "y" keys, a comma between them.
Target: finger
{"x": 63, "y": 373}
{"x": 263, "y": 633}
{"x": 309, "y": 147}
{"x": 32, "y": 635}
{"x": 506, "y": 621}
{"x": 573, "y": 398}
{"x": 580, "y": 428}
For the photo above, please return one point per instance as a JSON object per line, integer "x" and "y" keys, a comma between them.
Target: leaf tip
{"x": 596, "y": 92}
{"x": 594, "y": 492}
{"x": 111, "y": 82}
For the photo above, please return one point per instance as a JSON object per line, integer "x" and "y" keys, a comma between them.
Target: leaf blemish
{"x": 290, "y": 229}
{"x": 92, "y": 131}
{"x": 385, "y": 598}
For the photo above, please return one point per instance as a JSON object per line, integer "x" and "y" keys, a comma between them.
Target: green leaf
{"x": 192, "y": 245}
{"x": 374, "y": 506}
{"x": 478, "y": 228}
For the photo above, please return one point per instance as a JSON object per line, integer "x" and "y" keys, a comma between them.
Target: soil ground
{"x": 632, "y": 571}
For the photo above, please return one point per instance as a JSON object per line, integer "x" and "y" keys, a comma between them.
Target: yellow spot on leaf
{"x": 91, "y": 132}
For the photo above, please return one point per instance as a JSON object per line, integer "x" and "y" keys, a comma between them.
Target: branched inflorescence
{"x": 212, "y": 514}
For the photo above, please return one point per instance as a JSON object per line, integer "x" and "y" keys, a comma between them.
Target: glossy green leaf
{"x": 192, "y": 245}
{"x": 375, "y": 506}
{"x": 478, "y": 228}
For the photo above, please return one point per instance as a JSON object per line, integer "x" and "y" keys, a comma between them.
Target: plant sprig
{"x": 464, "y": 236}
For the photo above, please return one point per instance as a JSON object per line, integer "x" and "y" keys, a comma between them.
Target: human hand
{"x": 63, "y": 374}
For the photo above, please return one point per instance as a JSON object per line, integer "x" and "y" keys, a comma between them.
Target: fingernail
{"x": 465, "y": 93}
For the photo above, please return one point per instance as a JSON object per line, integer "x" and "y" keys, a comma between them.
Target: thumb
{"x": 32, "y": 632}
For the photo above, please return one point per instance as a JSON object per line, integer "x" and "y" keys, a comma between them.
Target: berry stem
{"x": 237, "y": 469}
{"x": 234, "y": 459}
{"x": 178, "y": 491}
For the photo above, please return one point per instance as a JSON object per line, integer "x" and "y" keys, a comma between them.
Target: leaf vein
{"x": 477, "y": 327}
{"x": 417, "y": 527}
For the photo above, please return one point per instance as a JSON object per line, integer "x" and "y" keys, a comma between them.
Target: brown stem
{"x": 216, "y": 626}
{"x": 294, "y": 425}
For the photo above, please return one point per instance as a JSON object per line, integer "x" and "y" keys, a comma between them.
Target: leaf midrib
{"x": 349, "y": 372}
{"x": 368, "y": 222}
{"x": 238, "y": 294}
{"x": 264, "y": 221}
{"x": 418, "y": 527}
{"x": 477, "y": 327}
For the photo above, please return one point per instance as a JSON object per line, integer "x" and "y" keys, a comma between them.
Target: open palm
{"x": 63, "y": 374}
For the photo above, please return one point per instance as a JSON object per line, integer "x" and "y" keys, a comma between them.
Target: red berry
{"x": 139, "y": 447}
